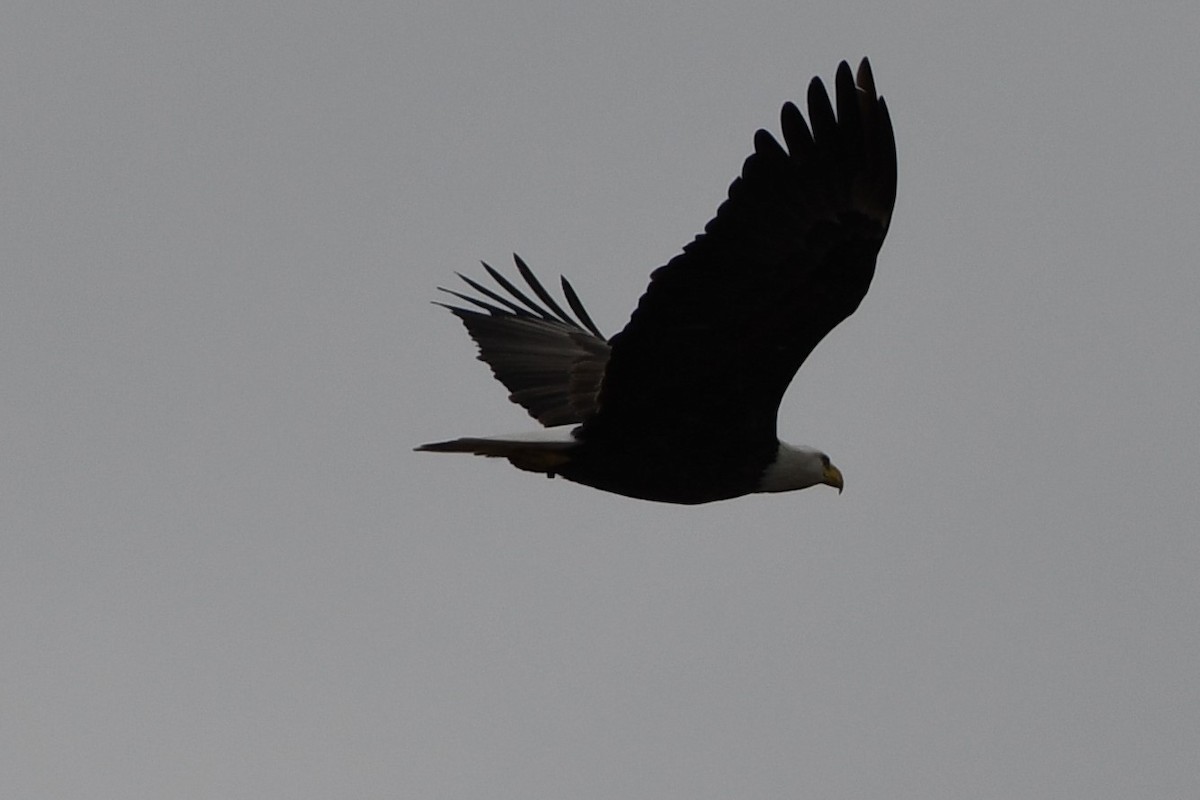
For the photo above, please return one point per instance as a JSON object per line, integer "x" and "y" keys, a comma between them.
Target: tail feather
{"x": 534, "y": 455}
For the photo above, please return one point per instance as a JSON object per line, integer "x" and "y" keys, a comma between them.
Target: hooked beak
{"x": 833, "y": 477}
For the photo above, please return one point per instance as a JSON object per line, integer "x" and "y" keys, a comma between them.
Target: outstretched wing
{"x": 723, "y": 327}
{"x": 551, "y": 363}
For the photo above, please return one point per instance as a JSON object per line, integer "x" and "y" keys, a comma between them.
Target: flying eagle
{"x": 681, "y": 405}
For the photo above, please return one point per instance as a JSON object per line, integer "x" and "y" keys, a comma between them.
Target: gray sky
{"x": 225, "y": 574}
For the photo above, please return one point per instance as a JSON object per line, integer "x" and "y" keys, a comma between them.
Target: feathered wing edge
{"x": 723, "y": 327}
{"x": 551, "y": 363}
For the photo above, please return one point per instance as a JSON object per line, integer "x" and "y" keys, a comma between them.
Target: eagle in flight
{"x": 681, "y": 405}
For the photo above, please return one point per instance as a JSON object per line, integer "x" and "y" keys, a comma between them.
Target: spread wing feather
{"x": 723, "y": 327}
{"x": 551, "y": 363}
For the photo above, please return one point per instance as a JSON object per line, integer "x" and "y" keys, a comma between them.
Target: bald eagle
{"x": 681, "y": 405}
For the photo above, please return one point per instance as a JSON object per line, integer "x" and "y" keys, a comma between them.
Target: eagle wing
{"x": 551, "y": 363}
{"x": 725, "y": 325}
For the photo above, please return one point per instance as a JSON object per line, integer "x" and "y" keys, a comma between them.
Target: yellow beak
{"x": 833, "y": 477}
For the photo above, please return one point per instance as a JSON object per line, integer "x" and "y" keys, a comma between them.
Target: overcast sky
{"x": 225, "y": 574}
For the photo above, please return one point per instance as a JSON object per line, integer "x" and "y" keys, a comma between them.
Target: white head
{"x": 798, "y": 468}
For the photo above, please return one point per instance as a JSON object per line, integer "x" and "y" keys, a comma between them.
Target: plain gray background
{"x": 226, "y": 575}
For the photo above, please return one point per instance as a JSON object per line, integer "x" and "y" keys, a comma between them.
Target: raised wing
{"x": 551, "y": 363}
{"x": 723, "y": 327}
